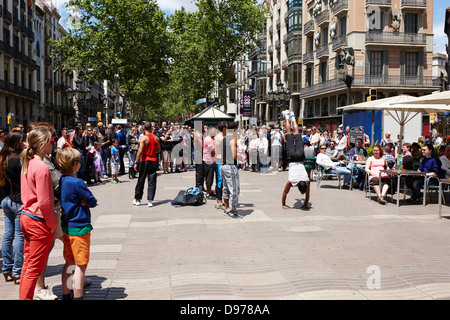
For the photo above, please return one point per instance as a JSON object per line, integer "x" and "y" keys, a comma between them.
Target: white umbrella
{"x": 401, "y": 108}
{"x": 437, "y": 98}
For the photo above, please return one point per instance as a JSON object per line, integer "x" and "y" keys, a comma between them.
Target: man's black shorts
{"x": 294, "y": 148}
{"x": 210, "y": 170}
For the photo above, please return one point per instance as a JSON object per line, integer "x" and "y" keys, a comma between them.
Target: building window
{"x": 294, "y": 77}
{"x": 342, "y": 27}
{"x": 324, "y": 111}
{"x": 295, "y": 20}
{"x": 295, "y": 47}
{"x": 411, "y": 23}
{"x": 323, "y": 71}
{"x": 376, "y": 63}
{"x": 309, "y": 77}
{"x": 411, "y": 63}
{"x": 261, "y": 89}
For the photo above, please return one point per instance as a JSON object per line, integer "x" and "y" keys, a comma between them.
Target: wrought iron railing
{"x": 391, "y": 38}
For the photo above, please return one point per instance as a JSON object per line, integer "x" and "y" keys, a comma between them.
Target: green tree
{"x": 124, "y": 37}
{"x": 230, "y": 27}
{"x": 191, "y": 71}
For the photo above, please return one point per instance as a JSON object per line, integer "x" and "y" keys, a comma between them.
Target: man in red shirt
{"x": 149, "y": 147}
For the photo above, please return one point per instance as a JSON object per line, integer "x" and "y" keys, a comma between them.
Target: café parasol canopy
{"x": 402, "y": 108}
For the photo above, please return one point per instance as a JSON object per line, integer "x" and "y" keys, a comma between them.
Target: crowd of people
{"x": 45, "y": 177}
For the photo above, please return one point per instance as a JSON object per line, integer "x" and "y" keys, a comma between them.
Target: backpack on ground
{"x": 190, "y": 197}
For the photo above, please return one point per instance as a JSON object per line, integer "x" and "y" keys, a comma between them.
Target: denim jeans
{"x": 105, "y": 160}
{"x": 12, "y": 245}
{"x": 132, "y": 158}
{"x": 345, "y": 171}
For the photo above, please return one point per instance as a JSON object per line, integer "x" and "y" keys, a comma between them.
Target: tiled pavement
{"x": 339, "y": 249}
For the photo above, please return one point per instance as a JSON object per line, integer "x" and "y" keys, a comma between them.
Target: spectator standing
{"x": 104, "y": 144}
{"x": 38, "y": 220}
{"x": 166, "y": 150}
{"x": 149, "y": 147}
{"x": 121, "y": 137}
{"x": 230, "y": 173}
{"x": 80, "y": 145}
{"x": 76, "y": 199}
{"x": 133, "y": 146}
{"x": 10, "y": 169}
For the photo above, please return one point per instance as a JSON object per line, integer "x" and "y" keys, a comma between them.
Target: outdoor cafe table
{"x": 442, "y": 182}
{"x": 403, "y": 173}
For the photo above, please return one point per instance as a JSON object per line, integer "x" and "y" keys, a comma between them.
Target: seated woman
{"x": 373, "y": 166}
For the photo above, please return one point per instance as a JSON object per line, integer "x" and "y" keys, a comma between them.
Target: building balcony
{"x": 48, "y": 59}
{"x": 338, "y": 43}
{"x": 7, "y": 16}
{"x": 295, "y": 57}
{"x": 379, "y": 3}
{"x": 277, "y": 44}
{"x": 417, "y": 4}
{"x": 269, "y": 72}
{"x": 322, "y": 51}
{"x": 48, "y": 82}
{"x": 371, "y": 81}
{"x": 271, "y": 29}
{"x": 277, "y": 68}
{"x": 308, "y": 57}
{"x": 340, "y": 7}
{"x": 285, "y": 38}
{"x": 308, "y": 27}
{"x": 270, "y": 49}
{"x": 285, "y": 64}
{"x": 278, "y": 23}
{"x": 396, "y": 38}
{"x": 17, "y": 90}
{"x": 390, "y": 81}
{"x": 323, "y": 17}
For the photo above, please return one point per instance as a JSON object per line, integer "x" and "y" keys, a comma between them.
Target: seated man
{"x": 430, "y": 164}
{"x": 358, "y": 150}
{"x": 295, "y": 154}
{"x": 445, "y": 159}
{"x": 332, "y": 152}
{"x": 333, "y": 167}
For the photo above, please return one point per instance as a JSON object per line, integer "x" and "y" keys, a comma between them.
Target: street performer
{"x": 295, "y": 155}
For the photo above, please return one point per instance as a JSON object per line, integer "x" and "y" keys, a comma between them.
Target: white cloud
{"x": 172, "y": 5}
{"x": 440, "y": 38}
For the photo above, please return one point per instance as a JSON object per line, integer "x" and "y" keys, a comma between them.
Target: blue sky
{"x": 169, "y": 6}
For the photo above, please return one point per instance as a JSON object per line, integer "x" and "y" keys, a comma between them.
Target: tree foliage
{"x": 164, "y": 63}
{"x": 124, "y": 37}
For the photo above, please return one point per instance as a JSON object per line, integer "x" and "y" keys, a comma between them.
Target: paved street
{"x": 344, "y": 247}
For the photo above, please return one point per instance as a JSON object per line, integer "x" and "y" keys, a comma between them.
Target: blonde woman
{"x": 38, "y": 221}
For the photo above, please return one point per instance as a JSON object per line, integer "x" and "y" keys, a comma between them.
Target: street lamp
{"x": 77, "y": 95}
{"x": 280, "y": 97}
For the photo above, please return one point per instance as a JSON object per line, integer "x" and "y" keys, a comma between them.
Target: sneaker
{"x": 114, "y": 181}
{"x": 235, "y": 216}
{"x": 44, "y": 294}
{"x": 136, "y": 202}
{"x": 286, "y": 114}
{"x": 219, "y": 206}
{"x": 150, "y": 204}
{"x": 209, "y": 197}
